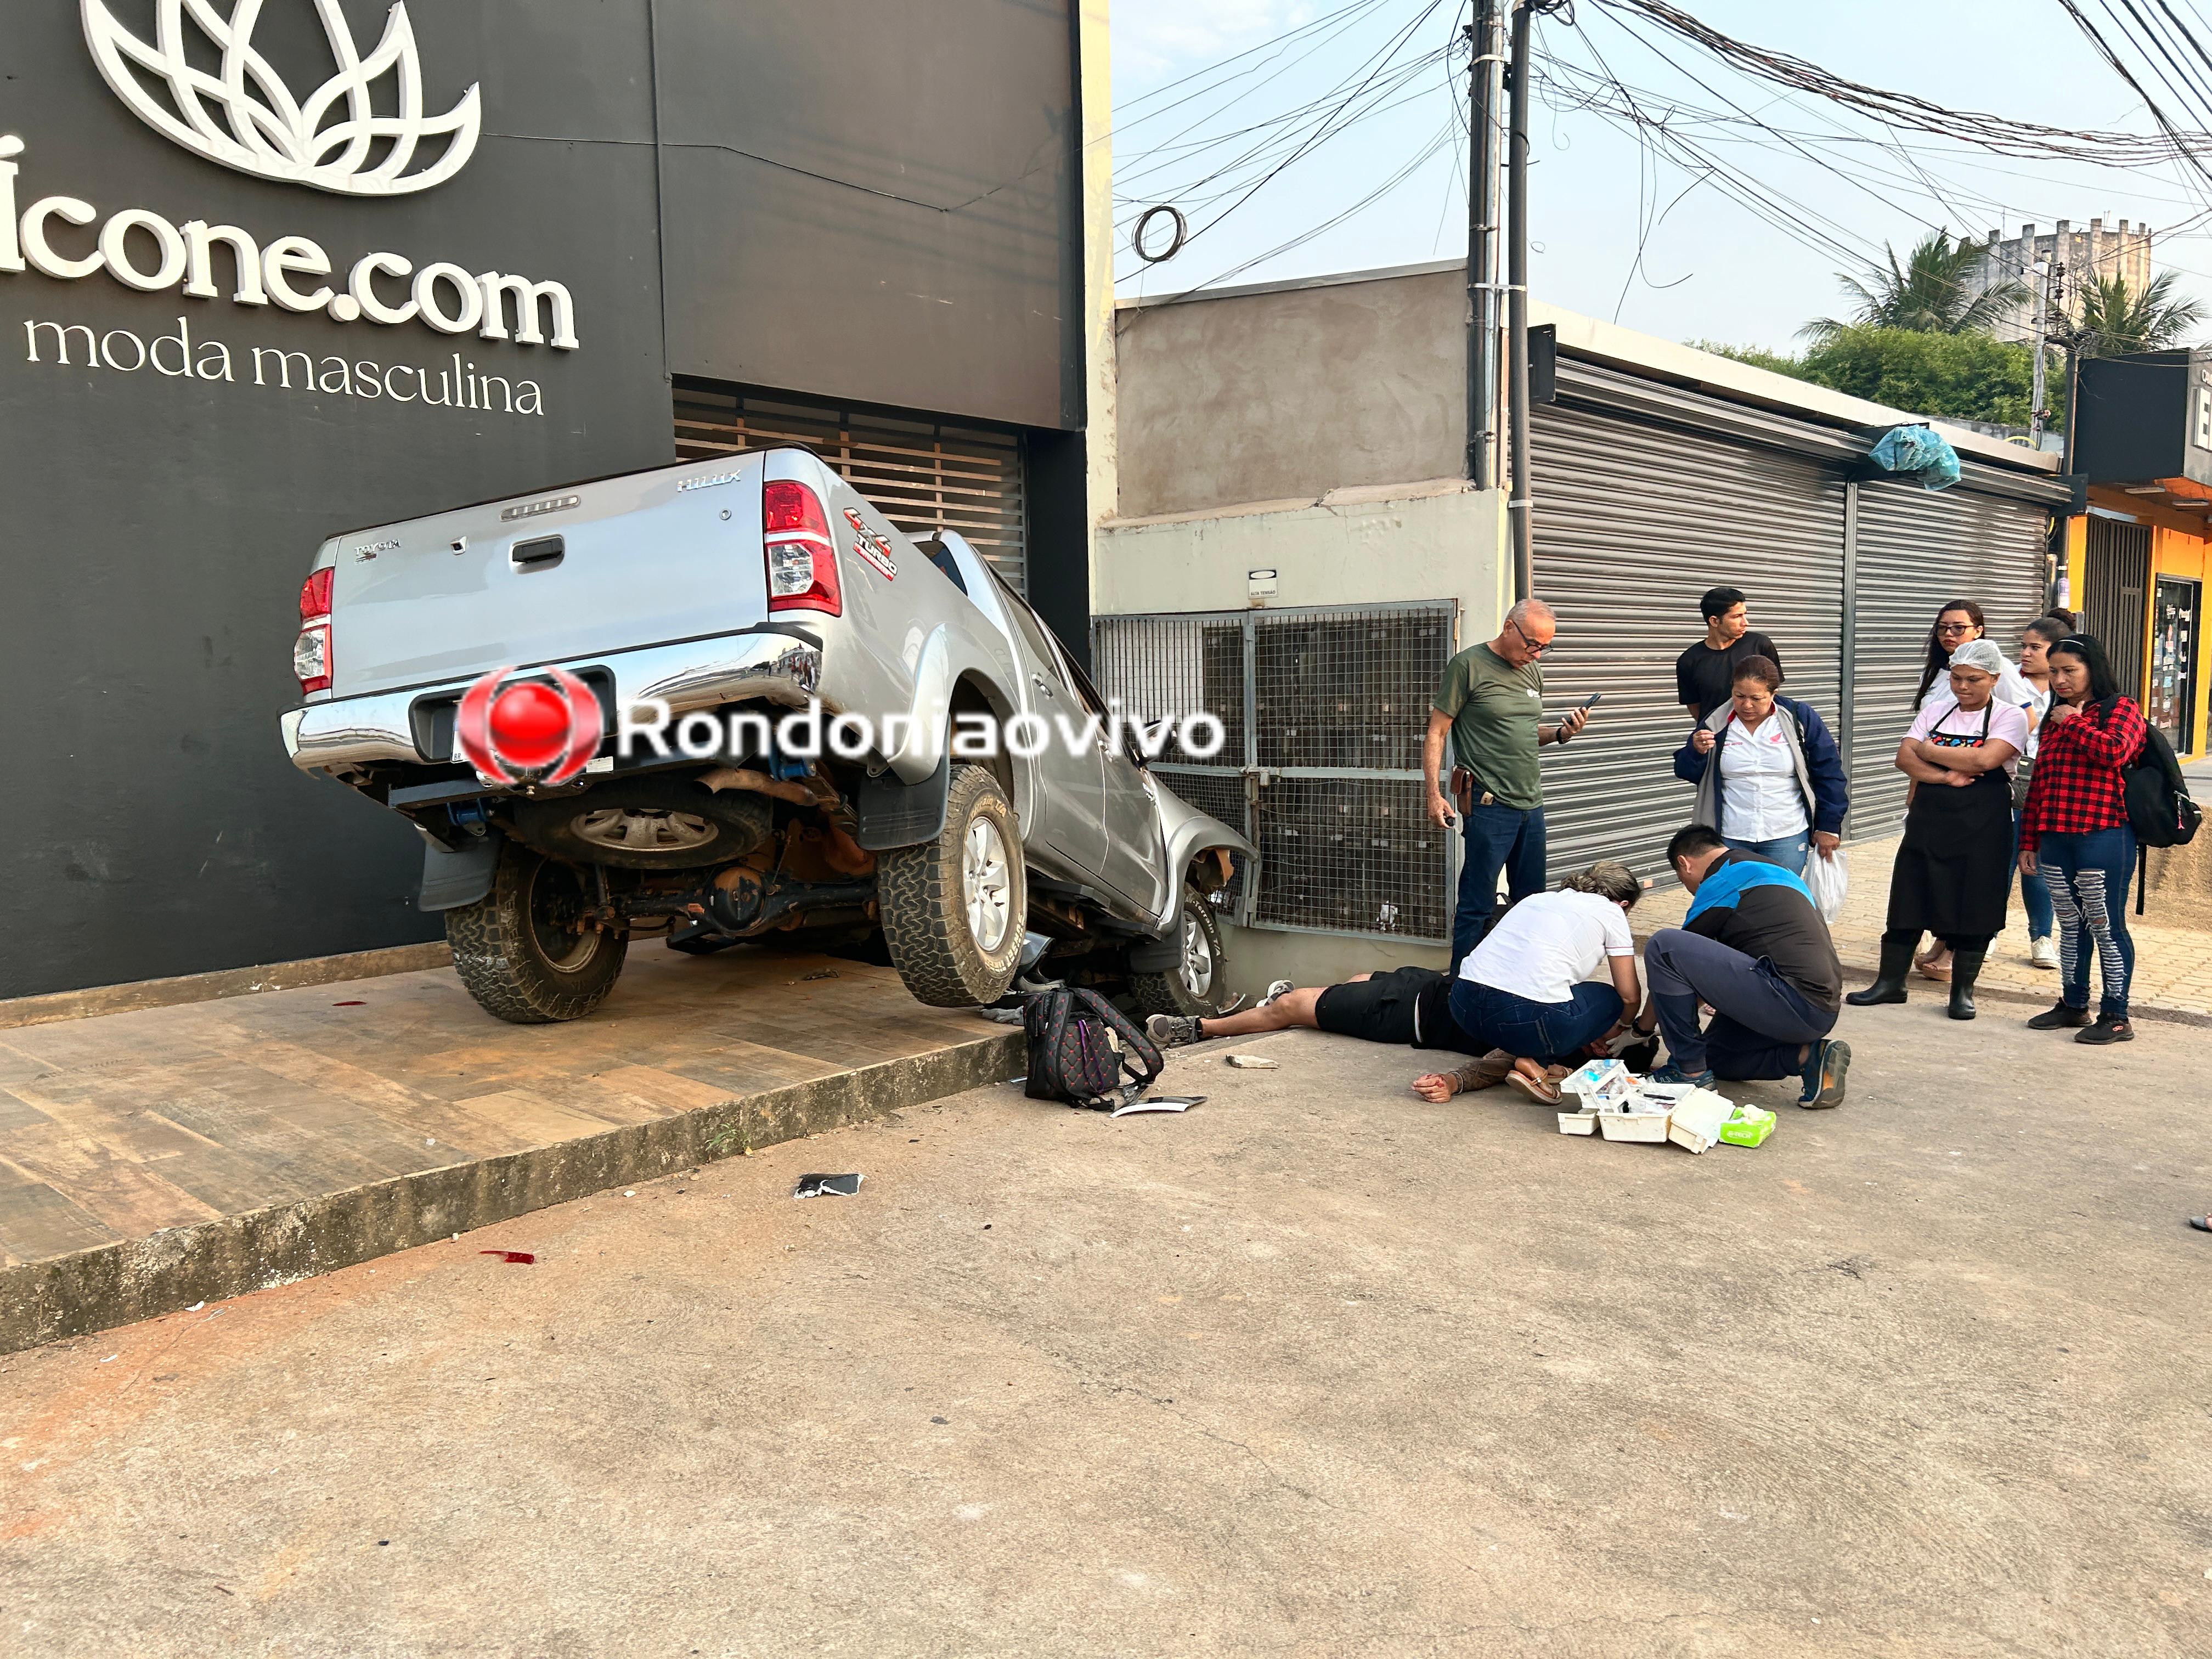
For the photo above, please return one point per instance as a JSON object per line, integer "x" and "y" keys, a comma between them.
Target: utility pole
{"x": 1483, "y": 98}
{"x": 2036, "y": 391}
{"x": 1518, "y": 507}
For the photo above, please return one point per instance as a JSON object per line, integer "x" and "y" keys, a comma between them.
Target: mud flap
{"x": 891, "y": 813}
{"x": 453, "y": 879}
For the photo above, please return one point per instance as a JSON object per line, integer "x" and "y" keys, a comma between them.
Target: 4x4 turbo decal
{"x": 870, "y": 545}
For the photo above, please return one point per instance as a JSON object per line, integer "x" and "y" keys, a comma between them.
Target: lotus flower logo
{"x": 243, "y": 116}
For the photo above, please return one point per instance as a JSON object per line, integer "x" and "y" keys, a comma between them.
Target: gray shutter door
{"x": 1916, "y": 550}
{"x": 921, "y": 473}
{"x": 1634, "y": 521}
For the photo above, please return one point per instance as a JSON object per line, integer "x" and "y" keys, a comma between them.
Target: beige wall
{"x": 1295, "y": 392}
{"x": 1437, "y": 540}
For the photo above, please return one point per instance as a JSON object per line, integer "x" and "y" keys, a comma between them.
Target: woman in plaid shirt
{"x": 2074, "y": 832}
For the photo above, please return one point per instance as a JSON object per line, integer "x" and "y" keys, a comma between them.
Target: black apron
{"x": 1953, "y": 870}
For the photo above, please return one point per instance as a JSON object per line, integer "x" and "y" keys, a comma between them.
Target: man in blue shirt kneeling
{"x": 1754, "y": 949}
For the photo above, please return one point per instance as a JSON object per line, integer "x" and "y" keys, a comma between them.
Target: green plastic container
{"x": 1748, "y": 1126}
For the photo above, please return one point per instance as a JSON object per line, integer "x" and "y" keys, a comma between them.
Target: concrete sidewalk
{"x": 155, "y": 1159}
{"x": 2174, "y": 945}
{"x": 1315, "y": 1369}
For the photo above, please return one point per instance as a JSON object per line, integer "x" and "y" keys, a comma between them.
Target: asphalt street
{"x": 1315, "y": 1368}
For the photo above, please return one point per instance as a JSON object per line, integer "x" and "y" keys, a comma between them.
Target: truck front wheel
{"x": 955, "y": 908}
{"x": 520, "y": 949}
{"x": 1199, "y": 982}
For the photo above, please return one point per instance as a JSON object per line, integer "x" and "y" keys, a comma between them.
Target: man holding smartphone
{"x": 1491, "y": 703}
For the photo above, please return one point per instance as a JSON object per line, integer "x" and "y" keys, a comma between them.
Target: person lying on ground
{"x": 1753, "y": 949}
{"x": 1408, "y": 1006}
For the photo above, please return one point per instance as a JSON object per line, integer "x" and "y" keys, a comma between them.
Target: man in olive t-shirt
{"x": 1491, "y": 702}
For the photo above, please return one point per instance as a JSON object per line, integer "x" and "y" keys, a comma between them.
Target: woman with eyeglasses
{"x": 1959, "y": 622}
{"x": 2075, "y": 832}
{"x": 1953, "y": 870}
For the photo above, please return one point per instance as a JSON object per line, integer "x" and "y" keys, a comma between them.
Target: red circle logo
{"x": 531, "y": 729}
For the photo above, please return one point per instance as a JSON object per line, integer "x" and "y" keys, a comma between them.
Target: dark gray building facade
{"x": 252, "y": 293}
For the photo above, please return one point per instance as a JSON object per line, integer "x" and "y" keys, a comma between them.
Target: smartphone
{"x": 1591, "y": 700}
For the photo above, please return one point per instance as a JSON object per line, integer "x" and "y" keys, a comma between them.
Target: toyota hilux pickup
{"x": 698, "y": 627}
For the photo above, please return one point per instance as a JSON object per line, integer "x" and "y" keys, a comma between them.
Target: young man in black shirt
{"x": 1705, "y": 675}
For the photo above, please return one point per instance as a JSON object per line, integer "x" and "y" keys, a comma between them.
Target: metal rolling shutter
{"x": 1634, "y": 521}
{"x": 2115, "y": 599}
{"x": 922, "y": 474}
{"x": 1917, "y": 548}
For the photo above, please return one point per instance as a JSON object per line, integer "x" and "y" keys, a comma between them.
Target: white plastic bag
{"x": 1829, "y": 881}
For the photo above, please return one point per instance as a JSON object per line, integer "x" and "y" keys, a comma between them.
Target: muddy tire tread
{"x": 493, "y": 954}
{"x": 918, "y": 890}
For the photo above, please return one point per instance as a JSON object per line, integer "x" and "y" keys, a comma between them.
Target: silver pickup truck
{"x": 675, "y": 619}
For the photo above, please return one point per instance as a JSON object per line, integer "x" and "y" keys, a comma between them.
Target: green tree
{"x": 2115, "y": 321}
{"x": 1931, "y": 293}
{"x": 1960, "y": 377}
{"x": 1964, "y": 377}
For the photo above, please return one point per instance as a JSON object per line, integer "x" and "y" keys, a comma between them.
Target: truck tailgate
{"x": 602, "y": 567}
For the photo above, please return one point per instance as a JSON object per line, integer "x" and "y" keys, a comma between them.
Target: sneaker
{"x": 2061, "y": 1016}
{"x": 2042, "y": 952}
{"x": 1824, "y": 1075}
{"x": 1172, "y": 1031}
{"x": 1280, "y": 988}
{"x": 1670, "y": 1073}
{"x": 2109, "y": 1028}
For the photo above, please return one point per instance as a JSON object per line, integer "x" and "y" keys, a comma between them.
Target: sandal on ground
{"x": 1542, "y": 1090}
{"x": 2201, "y": 1223}
{"x": 1928, "y": 967}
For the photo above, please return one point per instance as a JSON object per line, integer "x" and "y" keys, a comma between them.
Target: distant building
{"x": 2075, "y": 258}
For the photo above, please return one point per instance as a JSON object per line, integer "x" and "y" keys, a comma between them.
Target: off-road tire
{"x": 1171, "y": 992}
{"x": 924, "y": 900}
{"x": 503, "y": 959}
{"x": 739, "y": 820}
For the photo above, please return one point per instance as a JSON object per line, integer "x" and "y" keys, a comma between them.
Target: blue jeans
{"x": 1534, "y": 1030}
{"x": 1788, "y": 851}
{"x": 2035, "y": 891}
{"x": 1508, "y": 838}
{"x": 1759, "y": 1019}
{"x": 2088, "y": 875}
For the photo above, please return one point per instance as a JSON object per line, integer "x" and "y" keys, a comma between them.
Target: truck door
{"x": 1131, "y": 859}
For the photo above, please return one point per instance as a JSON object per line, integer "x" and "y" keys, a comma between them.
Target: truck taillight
{"x": 311, "y": 651}
{"x": 802, "y": 560}
{"x": 311, "y": 658}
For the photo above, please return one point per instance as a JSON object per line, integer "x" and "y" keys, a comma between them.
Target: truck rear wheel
{"x": 955, "y": 908}
{"x": 517, "y": 948}
{"x": 1199, "y": 982}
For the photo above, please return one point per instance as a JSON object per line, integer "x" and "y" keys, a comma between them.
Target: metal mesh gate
{"x": 2116, "y": 597}
{"x": 1324, "y": 711}
{"x": 921, "y": 474}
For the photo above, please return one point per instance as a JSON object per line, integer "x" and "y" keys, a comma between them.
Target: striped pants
{"x": 2088, "y": 876}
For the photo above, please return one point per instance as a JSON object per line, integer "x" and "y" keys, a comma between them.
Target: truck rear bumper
{"x": 769, "y": 663}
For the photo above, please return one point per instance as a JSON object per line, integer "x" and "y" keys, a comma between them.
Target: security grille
{"x": 1324, "y": 711}
{"x": 2115, "y": 598}
{"x": 923, "y": 474}
{"x": 1917, "y": 548}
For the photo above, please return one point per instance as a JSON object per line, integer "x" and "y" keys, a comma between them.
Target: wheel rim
{"x": 987, "y": 886}
{"x": 637, "y": 830}
{"x": 557, "y": 901}
{"x": 1197, "y": 957}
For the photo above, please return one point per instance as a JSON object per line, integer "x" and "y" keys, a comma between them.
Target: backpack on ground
{"x": 2159, "y": 810}
{"x": 1079, "y": 1044}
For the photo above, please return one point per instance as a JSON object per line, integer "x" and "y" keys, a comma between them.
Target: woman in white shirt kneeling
{"x": 1530, "y": 987}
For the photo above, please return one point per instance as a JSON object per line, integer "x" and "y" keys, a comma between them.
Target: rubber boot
{"x": 1965, "y": 966}
{"x": 1889, "y": 983}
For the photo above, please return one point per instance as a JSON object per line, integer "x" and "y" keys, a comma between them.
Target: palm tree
{"x": 2116, "y": 321}
{"x": 1932, "y": 293}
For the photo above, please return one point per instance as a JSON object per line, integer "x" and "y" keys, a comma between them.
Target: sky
{"x": 1708, "y": 269}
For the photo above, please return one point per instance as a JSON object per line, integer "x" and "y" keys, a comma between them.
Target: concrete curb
{"x": 46, "y": 1009}
{"x": 1984, "y": 992}
{"x": 132, "y": 1280}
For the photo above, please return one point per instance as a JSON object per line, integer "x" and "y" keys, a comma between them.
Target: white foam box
{"x": 1695, "y": 1121}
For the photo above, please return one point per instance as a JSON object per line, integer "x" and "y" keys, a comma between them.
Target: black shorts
{"x": 1381, "y": 1009}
